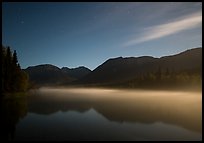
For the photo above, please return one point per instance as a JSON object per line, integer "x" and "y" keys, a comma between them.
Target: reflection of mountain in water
{"x": 182, "y": 111}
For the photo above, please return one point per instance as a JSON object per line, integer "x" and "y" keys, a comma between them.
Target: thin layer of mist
{"x": 146, "y": 106}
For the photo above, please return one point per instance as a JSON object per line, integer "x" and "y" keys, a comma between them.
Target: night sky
{"x": 87, "y": 34}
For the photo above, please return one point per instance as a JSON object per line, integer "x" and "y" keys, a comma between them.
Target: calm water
{"x": 103, "y": 114}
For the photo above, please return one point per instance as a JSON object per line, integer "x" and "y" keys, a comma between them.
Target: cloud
{"x": 159, "y": 31}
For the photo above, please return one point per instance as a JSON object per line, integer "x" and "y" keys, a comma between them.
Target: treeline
{"x": 161, "y": 78}
{"x": 13, "y": 78}
{"x": 165, "y": 78}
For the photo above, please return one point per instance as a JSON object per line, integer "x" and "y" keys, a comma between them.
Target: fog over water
{"x": 111, "y": 114}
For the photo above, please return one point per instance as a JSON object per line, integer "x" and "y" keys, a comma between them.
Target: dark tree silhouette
{"x": 13, "y": 78}
{"x": 159, "y": 73}
{"x": 15, "y": 60}
{"x": 167, "y": 71}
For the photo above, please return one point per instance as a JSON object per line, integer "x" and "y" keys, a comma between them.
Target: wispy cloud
{"x": 159, "y": 31}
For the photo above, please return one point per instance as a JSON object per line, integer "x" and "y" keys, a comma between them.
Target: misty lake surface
{"x": 104, "y": 114}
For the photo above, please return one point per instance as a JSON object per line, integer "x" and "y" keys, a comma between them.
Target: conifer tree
{"x": 13, "y": 78}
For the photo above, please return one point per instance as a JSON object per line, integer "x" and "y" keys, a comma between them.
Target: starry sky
{"x": 87, "y": 34}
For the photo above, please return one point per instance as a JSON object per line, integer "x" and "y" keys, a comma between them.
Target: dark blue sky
{"x": 87, "y": 34}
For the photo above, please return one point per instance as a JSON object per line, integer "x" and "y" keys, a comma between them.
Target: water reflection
{"x": 96, "y": 114}
{"x": 182, "y": 109}
{"x": 13, "y": 108}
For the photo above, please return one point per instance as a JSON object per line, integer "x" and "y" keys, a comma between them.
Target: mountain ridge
{"x": 48, "y": 74}
{"x": 120, "y": 70}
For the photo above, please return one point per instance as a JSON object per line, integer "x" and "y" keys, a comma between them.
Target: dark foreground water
{"x": 103, "y": 114}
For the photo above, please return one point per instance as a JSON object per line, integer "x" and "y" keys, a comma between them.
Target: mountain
{"x": 47, "y": 74}
{"x": 121, "y": 70}
{"x": 117, "y": 69}
{"x": 77, "y": 73}
{"x": 185, "y": 67}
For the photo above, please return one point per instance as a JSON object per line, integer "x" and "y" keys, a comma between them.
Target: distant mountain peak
{"x": 47, "y": 74}
{"x": 77, "y": 72}
{"x": 116, "y": 70}
{"x": 44, "y": 65}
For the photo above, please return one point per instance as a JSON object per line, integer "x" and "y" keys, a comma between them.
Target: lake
{"x": 103, "y": 114}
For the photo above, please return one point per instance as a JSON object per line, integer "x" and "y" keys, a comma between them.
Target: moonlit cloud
{"x": 159, "y": 31}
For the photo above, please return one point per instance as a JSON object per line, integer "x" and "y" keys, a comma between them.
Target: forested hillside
{"x": 13, "y": 78}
